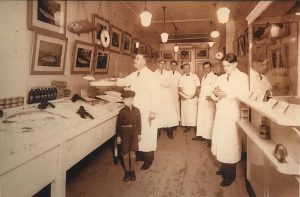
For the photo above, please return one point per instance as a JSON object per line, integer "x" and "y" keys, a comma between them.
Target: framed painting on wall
{"x": 83, "y": 57}
{"x": 101, "y": 24}
{"x": 126, "y": 44}
{"x": 116, "y": 39}
{"x": 101, "y": 61}
{"x": 184, "y": 56}
{"x": 142, "y": 48}
{"x": 201, "y": 54}
{"x": 49, "y": 53}
{"x": 47, "y": 14}
{"x": 167, "y": 55}
{"x": 134, "y": 49}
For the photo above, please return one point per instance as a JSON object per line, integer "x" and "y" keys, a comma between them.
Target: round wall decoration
{"x": 105, "y": 38}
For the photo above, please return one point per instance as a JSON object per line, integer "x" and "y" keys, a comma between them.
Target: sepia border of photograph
{"x": 125, "y": 36}
{"x": 197, "y": 56}
{"x": 50, "y": 38}
{"x": 33, "y": 22}
{"x": 102, "y": 21}
{"x": 115, "y": 29}
{"x": 101, "y": 70}
{"x": 80, "y": 44}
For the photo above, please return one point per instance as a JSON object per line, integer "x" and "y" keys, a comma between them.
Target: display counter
{"x": 37, "y": 147}
{"x": 262, "y": 166}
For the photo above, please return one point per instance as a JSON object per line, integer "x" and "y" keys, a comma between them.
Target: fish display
{"x": 80, "y": 27}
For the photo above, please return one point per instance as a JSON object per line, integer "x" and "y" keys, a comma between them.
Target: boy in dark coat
{"x": 129, "y": 133}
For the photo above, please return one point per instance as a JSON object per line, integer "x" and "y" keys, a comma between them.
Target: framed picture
{"x": 184, "y": 55}
{"x": 134, "y": 50}
{"x": 47, "y": 14}
{"x": 142, "y": 48}
{"x": 201, "y": 54}
{"x": 103, "y": 24}
{"x": 167, "y": 55}
{"x": 101, "y": 61}
{"x": 126, "y": 44}
{"x": 49, "y": 53}
{"x": 83, "y": 57}
{"x": 116, "y": 39}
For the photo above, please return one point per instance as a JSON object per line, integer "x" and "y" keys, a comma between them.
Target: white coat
{"x": 145, "y": 86}
{"x": 189, "y": 84}
{"x": 226, "y": 141}
{"x": 175, "y": 75}
{"x": 167, "y": 115}
{"x": 206, "y": 109}
{"x": 259, "y": 83}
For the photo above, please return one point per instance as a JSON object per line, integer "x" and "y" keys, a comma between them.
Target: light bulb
{"x": 145, "y": 18}
{"x": 176, "y": 48}
{"x": 210, "y": 43}
{"x": 137, "y": 44}
{"x": 223, "y": 15}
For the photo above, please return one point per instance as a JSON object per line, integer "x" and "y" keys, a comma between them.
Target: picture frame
{"x": 201, "y": 54}
{"x": 115, "y": 39}
{"x": 134, "y": 50}
{"x": 103, "y": 24}
{"x": 142, "y": 48}
{"x": 83, "y": 54}
{"x": 101, "y": 63}
{"x": 48, "y": 53}
{"x": 126, "y": 43}
{"x": 167, "y": 55}
{"x": 184, "y": 55}
{"x": 48, "y": 15}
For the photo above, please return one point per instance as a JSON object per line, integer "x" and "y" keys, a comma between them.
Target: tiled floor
{"x": 182, "y": 167}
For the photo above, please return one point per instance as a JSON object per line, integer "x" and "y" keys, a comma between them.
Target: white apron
{"x": 189, "y": 106}
{"x": 174, "y": 90}
{"x": 167, "y": 115}
{"x": 206, "y": 109}
{"x": 145, "y": 86}
{"x": 226, "y": 141}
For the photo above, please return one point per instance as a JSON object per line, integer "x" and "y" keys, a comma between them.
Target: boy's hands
{"x": 119, "y": 140}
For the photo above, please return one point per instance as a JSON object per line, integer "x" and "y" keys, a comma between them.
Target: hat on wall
{"x": 128, "y": 94}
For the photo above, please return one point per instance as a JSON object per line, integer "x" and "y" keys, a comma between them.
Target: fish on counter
{"x": 83, "y": 26}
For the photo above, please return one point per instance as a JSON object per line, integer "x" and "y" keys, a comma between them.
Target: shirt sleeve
{"x": 197, "y": 81}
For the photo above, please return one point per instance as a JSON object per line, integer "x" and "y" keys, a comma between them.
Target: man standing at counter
{"x": 226, "y": 142}
{"x": 145, "y": 84}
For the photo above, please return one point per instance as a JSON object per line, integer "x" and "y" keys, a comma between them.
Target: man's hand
{"x": 119, "y": 140}
{"x": 152, "y": 116}
{"x": 139, "y": 138}
{"x": 219, "y": 93}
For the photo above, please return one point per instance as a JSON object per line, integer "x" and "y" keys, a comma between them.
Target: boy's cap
{"x": 128, "y": 94}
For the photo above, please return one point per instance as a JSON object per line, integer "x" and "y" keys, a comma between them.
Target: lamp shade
{"x": 137, "y": 44}
{"x": 274, "y": 31}
{"x": 223, "y": 15}
{"x": 215, "y": 34}
{"x": 176, "y": 48}
{"x": 146, "y": 18}
{"x": 164, "y": 37}
{"x": 210, "y": 43}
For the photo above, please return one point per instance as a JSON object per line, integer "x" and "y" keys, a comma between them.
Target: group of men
{"x": 167, "y": 98}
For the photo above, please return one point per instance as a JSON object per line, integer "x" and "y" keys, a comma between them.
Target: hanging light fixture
{"x": 137, "y": 44}
{"x": 223, "y": 15}
{"x": 164, "y": 36}
{"x": 214, "y": 33}
{"x": 210, "y": 43}
{"x": 175, "y": 47}
{"x": 145, "y": 17}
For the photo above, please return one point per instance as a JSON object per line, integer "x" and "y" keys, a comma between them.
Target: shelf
{"x": 291, "y": 117}
{"x": 268, "y": 146}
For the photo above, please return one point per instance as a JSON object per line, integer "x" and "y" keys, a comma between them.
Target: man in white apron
{"x": 175, "y": 75}
{"x": 145, "y": 84}
{"x": 206, "y": 106}
{"x": 167, "y": 115}
{"x": 189, "y": 85}
{"x": 226, "y": 141}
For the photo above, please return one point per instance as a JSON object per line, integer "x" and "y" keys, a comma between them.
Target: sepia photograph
{"x": 101, "y": 62}
{"x": 83, "y": 57}
{"x": 116, "y": 39}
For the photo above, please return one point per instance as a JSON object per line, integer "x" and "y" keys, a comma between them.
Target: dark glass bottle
{"x": 38, "y": 95}
{"x": 30, "y": 97}
{"x": 42, "y": 93}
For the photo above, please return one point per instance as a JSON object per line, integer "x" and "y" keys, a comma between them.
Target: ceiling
{"x": 189, "y": 17}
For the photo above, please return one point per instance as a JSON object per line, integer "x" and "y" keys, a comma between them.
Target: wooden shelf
{"x": 268, "y": 146}
{"x": 289, "y": 118}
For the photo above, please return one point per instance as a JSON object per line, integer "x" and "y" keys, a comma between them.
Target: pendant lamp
{"x": 137, "y": 44}
{"x": 210, "y": 43}
{"x": 164, "y": 36}
{"x": 214, "y": 33}
{"x": 175, "y": 47}
{"x": 223, "y": 15}
{"x": 145, "y": 17}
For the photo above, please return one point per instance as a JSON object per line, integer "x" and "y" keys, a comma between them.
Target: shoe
{"x": 226, "y": 182}
{"x": 126, "y": 176}
{"x": 132, "y": 176}
{"x": 146, "y": 165}
{"x": 219, "y": 172}
{"x": 171, "y": 137}
{"x": 198, "y": 138}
